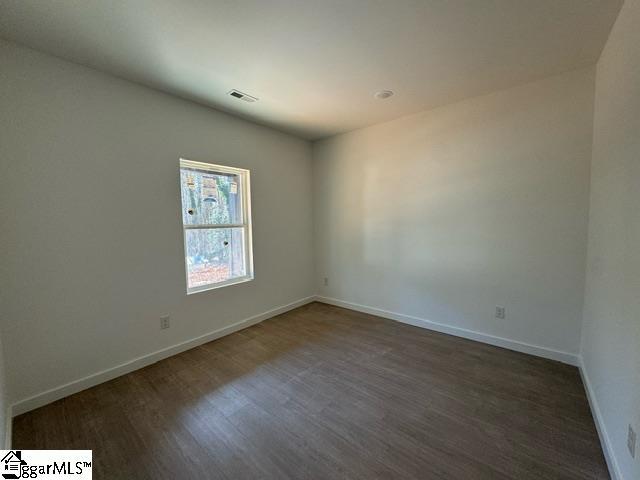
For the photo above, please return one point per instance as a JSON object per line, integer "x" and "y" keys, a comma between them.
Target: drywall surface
{"x": 611, "y": 329}
{"x": 92, "y": 249}
{"x": 447, "y": 214}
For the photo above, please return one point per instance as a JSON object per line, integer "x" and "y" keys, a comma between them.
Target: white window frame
{"x": 245, "y": 212}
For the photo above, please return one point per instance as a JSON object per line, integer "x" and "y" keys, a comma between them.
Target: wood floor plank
{"x": 323, "y": 393}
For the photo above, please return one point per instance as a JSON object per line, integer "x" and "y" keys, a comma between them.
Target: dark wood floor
{"x": 327, "y": 393}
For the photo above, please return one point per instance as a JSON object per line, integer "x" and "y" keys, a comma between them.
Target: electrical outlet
{"x": 164, "y": 322}
{"x": 326, "y": 281}
{"x": 500, "y": 312}
{"x": 631, "y": 441}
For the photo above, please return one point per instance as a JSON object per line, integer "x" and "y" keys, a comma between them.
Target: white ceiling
{"x": 315, "y": 65}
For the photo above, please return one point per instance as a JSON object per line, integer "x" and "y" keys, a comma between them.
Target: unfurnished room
{"x": 320, "y": 239}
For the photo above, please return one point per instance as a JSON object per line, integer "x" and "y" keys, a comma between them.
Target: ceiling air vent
{"x": 242, "y": 96}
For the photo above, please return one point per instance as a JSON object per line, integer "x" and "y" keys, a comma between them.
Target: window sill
{"x": 213, "y": 286}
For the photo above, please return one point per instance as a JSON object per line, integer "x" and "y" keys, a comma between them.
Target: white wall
{"x": 92, "y": 249}
{"x": 446, "y": 214}
{"x": 611, "y": 330}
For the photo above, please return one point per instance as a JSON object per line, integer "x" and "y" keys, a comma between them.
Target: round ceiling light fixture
{"x": 383, "y": 94}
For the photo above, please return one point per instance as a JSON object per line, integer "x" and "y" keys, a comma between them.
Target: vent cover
{"x": 242, "y": 96}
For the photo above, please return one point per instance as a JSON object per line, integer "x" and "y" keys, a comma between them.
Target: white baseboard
{"x": 62, "y": 391}
{"x": 612, "y": 463}
{"x": 8, "y": 428}
{"x": 564, "y": 357}
{"x": 89, "y": 381}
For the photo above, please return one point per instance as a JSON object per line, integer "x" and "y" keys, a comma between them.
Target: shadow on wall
{"x": 445, "y": 214}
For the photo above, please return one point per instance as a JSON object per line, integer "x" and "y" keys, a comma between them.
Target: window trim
{"x": 245, "y": 190}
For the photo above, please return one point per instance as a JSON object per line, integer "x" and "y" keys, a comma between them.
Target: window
{"x": 216, "y": 218}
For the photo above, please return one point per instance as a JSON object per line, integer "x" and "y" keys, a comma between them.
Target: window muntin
{"x": 216, "y": 218}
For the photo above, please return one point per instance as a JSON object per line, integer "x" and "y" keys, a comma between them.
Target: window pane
{"x": 209, "y": 197}
{"x": 214, "y": 255}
